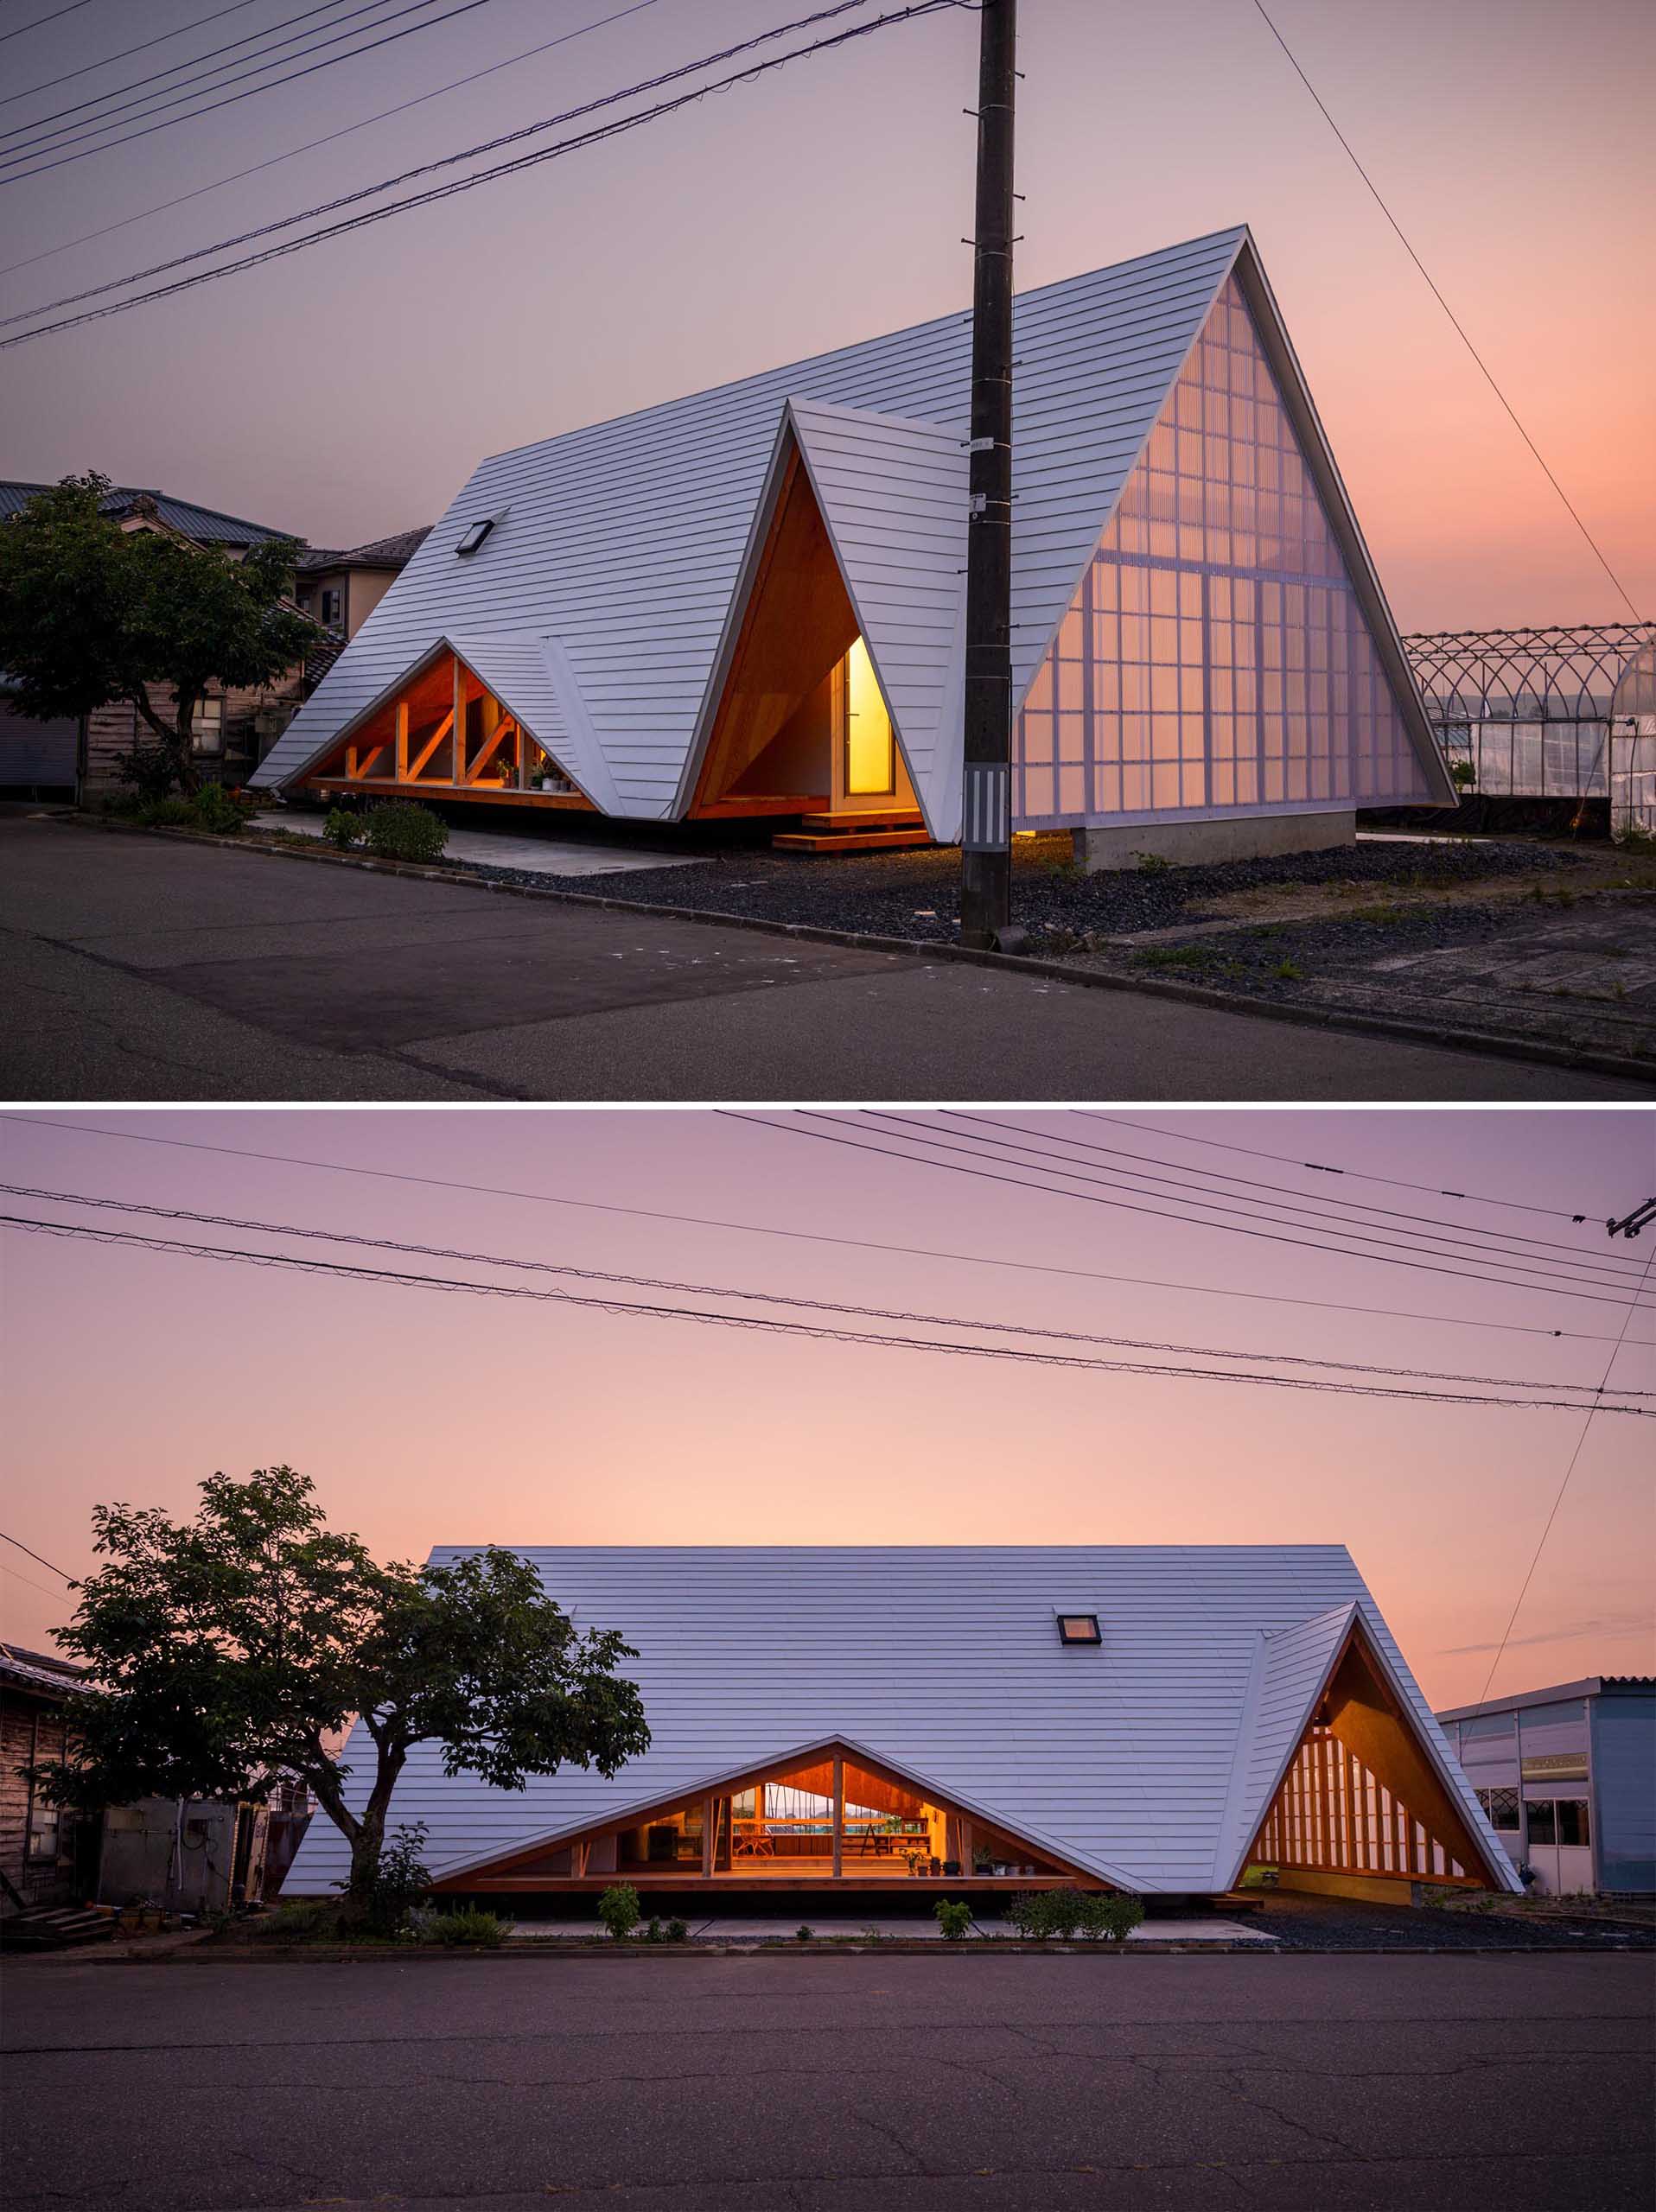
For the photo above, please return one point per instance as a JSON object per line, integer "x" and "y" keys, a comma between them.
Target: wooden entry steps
{"x": 855, "y": 831}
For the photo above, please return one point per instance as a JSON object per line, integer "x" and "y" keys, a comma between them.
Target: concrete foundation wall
{"x": 1195, "y": 844}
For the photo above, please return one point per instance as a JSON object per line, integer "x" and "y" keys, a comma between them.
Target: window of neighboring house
{"x": 207, "y": 732}
{"x": 44, "y": 1822}
{"x": 332, "y": 607}
{"x": 1559, "y": 1820}
{"x": 1502, "y": 1806}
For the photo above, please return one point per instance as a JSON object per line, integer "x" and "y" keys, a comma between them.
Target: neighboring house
{"x": 751, "y": 602}
{"x": 341, "y": 589}
{"x": 48, "y": 1856}
{"x": 1156, "y": 1718}
{"x": 233, "y": 729}
{"x": 1567, "y": 1776}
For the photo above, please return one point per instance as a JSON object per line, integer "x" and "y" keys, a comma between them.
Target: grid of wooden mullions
{"x": 1333, "y": 1816}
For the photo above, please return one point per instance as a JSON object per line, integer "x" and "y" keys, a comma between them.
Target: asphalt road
{"x": 139, "y": 968}
{"x": 821, "y": 2084}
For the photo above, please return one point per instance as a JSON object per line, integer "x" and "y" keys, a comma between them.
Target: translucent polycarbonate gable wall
{"x": 1215, "y": 656}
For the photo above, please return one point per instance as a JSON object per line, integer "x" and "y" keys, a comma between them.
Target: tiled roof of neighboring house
{"x": 379, "y": 553}
{"x": 40, "y": 1672}
{"x": 202, "y": 525}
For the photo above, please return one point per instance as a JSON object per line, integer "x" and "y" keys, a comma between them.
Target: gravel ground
{"x": 1308, "y": 1924}
{"x": 916, "y": 894}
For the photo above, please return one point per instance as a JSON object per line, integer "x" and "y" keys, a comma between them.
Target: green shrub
{"x": 296, "y": 1920}
{"x": 220, "y": 812}
{"x": 342, "y": 829}
{"x": 803, "y": 1933}
{"x": 398, "y": 829}
{"x": 1109, "y": 1916}
{"x": 954, "y": 1918}
{"x": 652, "y": 1930}
{"x": 400, "y": 1881}
{"x": 1152, "y": 863}
{"x": 165, "y": 814}
{"x": 678, "y": 1931}
{"x": 1041, "y": 1913}
{"x": 470, "y": 1925}
{"x": 619, "y": 1910}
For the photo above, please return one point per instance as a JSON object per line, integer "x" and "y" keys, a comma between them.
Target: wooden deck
{"x": 801, "y": 1876}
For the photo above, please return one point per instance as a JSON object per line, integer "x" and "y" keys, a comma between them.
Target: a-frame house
{"x": 835, "y": 1720}
{"x": 751, "y": 601}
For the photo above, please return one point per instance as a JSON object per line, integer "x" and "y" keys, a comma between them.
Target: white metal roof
{"x": 1149, "y": 1760}
{"x": 626, "y": 542}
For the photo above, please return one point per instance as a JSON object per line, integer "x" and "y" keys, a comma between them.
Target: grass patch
{"x": 1175, "y": 955}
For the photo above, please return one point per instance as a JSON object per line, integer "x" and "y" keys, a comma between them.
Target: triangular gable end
{"x": 893, "y": 495}
{"x": 806, "y": 1765}
{"x": 1227, "y": 648}
{"x": 859, "y": 531}
{"x": 1343, "y": 1777}
{"x": 405, "y": 735}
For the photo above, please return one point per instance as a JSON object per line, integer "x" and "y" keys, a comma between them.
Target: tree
{"x": 231, "y": 1648}
{"x": 91, "y": 613}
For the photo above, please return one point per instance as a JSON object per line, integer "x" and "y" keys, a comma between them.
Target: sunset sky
{"x": 346, "y": 392}
{"x": 427, "y": 1418}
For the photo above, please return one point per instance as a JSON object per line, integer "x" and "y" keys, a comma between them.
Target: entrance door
{"x": 1560, "y": 1845}
{"x": 865, "y": 771}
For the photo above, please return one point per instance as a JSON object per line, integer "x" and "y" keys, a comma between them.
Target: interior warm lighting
{"x": 1078, "y": 1628}
{"x": 870, "y": 756}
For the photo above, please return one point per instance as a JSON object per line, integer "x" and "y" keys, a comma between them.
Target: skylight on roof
{"x": 475, "y": 534}
{"x": 1078, "y": 1628}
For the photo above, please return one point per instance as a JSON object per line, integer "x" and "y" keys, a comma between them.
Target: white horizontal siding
{"x": 945, "y": 1663}
{"x": 625, "y": 540}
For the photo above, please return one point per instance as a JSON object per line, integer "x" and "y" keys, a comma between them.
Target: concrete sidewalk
{"x": 550, "y": 856}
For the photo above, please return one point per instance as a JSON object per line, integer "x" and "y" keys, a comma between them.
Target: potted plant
{"x": 982, "y": 1861}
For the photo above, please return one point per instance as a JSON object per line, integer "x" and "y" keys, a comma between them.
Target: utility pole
{"x": 986, "y": 842}
{"x": 1631, "y": 1223}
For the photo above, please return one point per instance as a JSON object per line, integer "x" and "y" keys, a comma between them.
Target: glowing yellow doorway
{"x": 871, "y": 750}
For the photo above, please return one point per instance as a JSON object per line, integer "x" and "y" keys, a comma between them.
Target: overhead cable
{"x": 109, "y": 59}
{"x": 795, "y": 1236}
{"x": 763, "y": 1297}
{"x": 797, "y": 1126}
{"x": 615, "y": 127}
{"x": 768, "y": 1325}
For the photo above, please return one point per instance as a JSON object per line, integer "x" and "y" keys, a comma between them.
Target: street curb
{"x": 1535, "y": 1052}
{"x": 786, "y": 1947}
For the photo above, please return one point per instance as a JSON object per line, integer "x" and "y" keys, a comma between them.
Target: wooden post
{"x": 986, "y": 843}
{"x": 459, "y": 775}
{"x": 709, "y": 1814}
{"x": 402, "y": 741}
{"x": 965, "y": 1846}
{"x": 839, "y": 1814}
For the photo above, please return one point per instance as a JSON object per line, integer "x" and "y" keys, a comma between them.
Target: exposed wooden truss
{"x": 1360, "y": 1796}
{"x": 444, "y": 735}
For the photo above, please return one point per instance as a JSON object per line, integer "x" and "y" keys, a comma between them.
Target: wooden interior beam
{"x": 402, "y": 741}
{"x": 839, "y": 1815}
{"x": 417, "y": 767}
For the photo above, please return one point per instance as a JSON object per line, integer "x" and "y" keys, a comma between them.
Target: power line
{"x": 27, "y": 1580}
{"x": 1322, "y": 1167}
{"x": 391, "y": 38}
{"x": 1460, "y": 330}
{"x": 40, "y": 21}
{"x": 1593, "y": 1258}
{"x": 1546, "y": 1530}
{"x": 86, "y": 68}
{"x": 383, "y": 115}
{"x": 806, "y": 1235}
{"x": 35, "y": 1556}
{"x": 113, "y": 102}
{"x": 768, "y": 1325}
{"x": 985, "y": 1174}
{"x": 611, "y": 129}
{"x": 763, "y": 1297}
{"x": 1550, "y": 1274}
{"x": 447, "y": 161}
